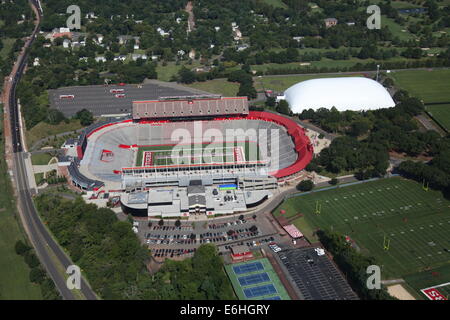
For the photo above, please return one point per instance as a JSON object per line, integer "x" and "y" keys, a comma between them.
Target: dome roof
{"x": 352, "y": 93}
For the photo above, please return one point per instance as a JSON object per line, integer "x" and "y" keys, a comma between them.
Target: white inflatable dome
{"x": 353, "y": 93}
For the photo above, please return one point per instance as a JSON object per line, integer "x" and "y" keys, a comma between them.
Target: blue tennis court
{"x": 273, "y": 298}
{"x": 260, "y": 291}
{"x": 253, "y": 279}
{"x": 246, "y": 268}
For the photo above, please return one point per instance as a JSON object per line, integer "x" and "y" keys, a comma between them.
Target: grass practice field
{"x": 441, "y": 113}
{"x": 256, "y": 280}
{"x": 198, "y": 154}
{"x": 437, "y": 278}
{"x": 416, "y": 223}
{"x": 430, "y": 86}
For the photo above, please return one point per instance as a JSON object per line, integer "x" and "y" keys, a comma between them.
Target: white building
{"x": 352, "y": 93}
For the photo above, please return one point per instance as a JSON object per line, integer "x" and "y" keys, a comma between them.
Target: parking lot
{"x": 101, "y": 101}
{"x": 170, "y": 241}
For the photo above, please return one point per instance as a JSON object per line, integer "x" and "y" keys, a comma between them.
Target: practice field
{"x": 197, "y": 154}
{"x": 431, "y": 284}
{"x": 256, "y": 280}
{"x": 394, "y": 213}
{"x": 430, "y": 86}
{"x": 440, "y": 113}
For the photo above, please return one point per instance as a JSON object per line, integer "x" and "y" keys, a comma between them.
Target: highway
{"x": 48, "y": 251}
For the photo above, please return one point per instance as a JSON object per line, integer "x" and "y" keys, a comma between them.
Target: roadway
{"x": 50, "y": 254}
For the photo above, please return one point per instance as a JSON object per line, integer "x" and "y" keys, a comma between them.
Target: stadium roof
{"x": 190, "y": 107}
{"x": 353, "y": 93}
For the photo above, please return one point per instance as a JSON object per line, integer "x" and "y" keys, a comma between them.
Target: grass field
{"x": 430, "y": 86}
{"x": 219, "y": 152}
{"x": 281, "y": 83}
{"x": 7, "y": 45}
{"x": 416, "y": 222}
{"x": 441, "y": 113}
{"x": 217, "y": 86}
{"x": 165, "y": 73}
{"x": 40, "y": 158}
{"x": 272, "y": 279}
{"x": 44, "y": 130}
{"x": 14, "y": 275}
{"x": 430, "y": 278}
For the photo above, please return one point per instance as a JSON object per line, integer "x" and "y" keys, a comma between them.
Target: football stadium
{"x": 181, "y": 155}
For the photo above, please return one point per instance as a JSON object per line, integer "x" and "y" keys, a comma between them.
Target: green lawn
{"x": 429, "y": 85}
{"x": 273, "y": 278}
{"x": 430, "y": 278}
{"x": 14, "y": 275}
{"x": 397, "y": 30}
{"x": 40, "y": 158}
{"x": 416, "y": 222}
{"x": 165, "y": 73}
{"x": 43, "y": 130}
{"x": 281, "y": 83}
{"x": 7, "y": 45}
{"x": 276, "y": 3}
{"x": 441, "y": 113}
{"x": 217, "y": 86}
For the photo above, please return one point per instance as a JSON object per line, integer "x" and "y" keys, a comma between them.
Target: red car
{"x": 121, "y": 84}
{"x": 120, "y": 95}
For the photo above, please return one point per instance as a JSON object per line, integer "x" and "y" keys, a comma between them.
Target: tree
{"x": 161, "y": 222}
{"x": 186, "y": 76}
{"x": 37, "y": 275}
{"x": 283, "y": 107}
{"x": 177, "y": 223}
{"x": 21, "y": 248}
{"x": 305, "y": 185}
{"x": 85, "y": 116}
{"x": 247, "y": 89}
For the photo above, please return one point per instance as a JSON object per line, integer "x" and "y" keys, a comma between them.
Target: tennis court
{"x": 260, "y": 291}
{"x": 247, "y": 268}
{"x": 256, "y": 280}
{"x": 253, "y": 279}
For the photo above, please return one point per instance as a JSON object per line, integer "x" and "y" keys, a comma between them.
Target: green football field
{"x": 441, "y": 113}
{"x": 247, "y": 283}
{"x": 199, "y": 153}
{"x": 414, "y": 224}
{"x": 438, "y": 278}
{"x": 430, "y": 86}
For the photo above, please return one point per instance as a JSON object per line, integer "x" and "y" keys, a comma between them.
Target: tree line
{"x": 115, "y": 262}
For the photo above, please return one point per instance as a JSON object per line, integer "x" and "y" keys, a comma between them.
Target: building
{"x": 330, "y": 22}
{"x": 346, "y": 93}
{"x": 241, "y": 253}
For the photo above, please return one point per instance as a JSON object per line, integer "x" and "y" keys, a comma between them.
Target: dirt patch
{"x": 398, "y": 291}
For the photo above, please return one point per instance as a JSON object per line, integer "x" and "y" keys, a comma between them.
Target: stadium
{"x": 183, "y": 155}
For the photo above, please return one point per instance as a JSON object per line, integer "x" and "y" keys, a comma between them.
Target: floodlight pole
{"x": 378, "y": 71}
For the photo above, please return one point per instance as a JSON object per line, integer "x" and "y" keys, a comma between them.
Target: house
{"x": 350, "y": 24}
{"x": 181, "y": 52}
{"x": 121, "y": 58}
{"x": 330, "y": 22}
{"x": 241, "y": 253}
{"x": 217, "y": 29}
{"x": 154, "y": 58}
{"x": 98, "y": 38}
{"x": 100, "y": 59}
{"x": 237, "y": 34}
{"x": 36, "y": 62}
{"x": 59, "y": 33}
{"x": 298, "y": 38}
{"x": 85, "y": 59}
{"x": 192, "y": 54}
{"x": 202, "y": 69}
{"x": 90, "y": 15}
{"x": 178, "y": 20}
{"x": 138, "y": 21}
{"x": 136, "y": 56}
{"x": 66, "y": 43}
{"x": 242, "y": 47}
{"x": 162, "y": 32}
{"x": 123, "y": 39}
